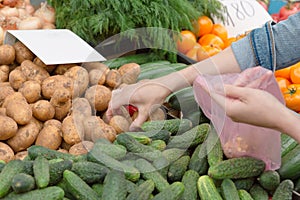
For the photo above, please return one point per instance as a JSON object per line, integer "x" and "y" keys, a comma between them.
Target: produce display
{"x": 22, "y": 15}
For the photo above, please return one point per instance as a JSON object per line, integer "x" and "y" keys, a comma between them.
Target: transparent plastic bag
{"x": 240, "y": 139}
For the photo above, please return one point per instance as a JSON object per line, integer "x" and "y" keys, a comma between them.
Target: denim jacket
{"x": 273, "y": 46}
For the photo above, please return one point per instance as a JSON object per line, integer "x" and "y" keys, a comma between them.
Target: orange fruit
{"x": 192, "y": 53}
{"x": 207, "y": 51}
{"x": 203, "y": 25}
{"x": 229, "y": 41}
{"x": 283, "y": 83}
{"x": 211, "y": 39}
{"x": 221, "y": 31}
{"x": 285, "y": 73}
{"x": 295, "y": 73}
{"x": 186, "y": 42}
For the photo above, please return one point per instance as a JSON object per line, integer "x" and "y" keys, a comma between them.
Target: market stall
{"x": 56, "y": 141}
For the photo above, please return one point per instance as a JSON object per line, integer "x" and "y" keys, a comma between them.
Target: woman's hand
{"x": 146, "y": 95}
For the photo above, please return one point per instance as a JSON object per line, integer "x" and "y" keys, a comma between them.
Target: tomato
{"x": 131, "y": 109}
{"x": 295, "y": 73}
{"x": 187, "y": 41}
{"x": 286, "y": 11}
{"x": 211, "y": 39}
{"x": 221, "y": 31}
{"x": 292, "y": 97}
{"x": 285, "y": 73}
{"x": 202, "y": 26}
{"x": 283, "y": 83}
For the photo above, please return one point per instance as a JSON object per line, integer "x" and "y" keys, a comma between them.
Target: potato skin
{"x": 53, "y": 122}
{"x": 113, "y": 78}
{"x": 130, "y": 72}
{"x": 20, "y": 111}
{"x": 62, "y": 103}
{"x": 50, "y": 137}
{"x": 4, "y": 73}
{"x": 81, "y": 148}
{"x": 6, "y": 153}
{"x": 26, "y": 136}
{"x": 9, "y": 127}
{"x": 43, "y": 110}
{"x": 22, "y": 52}
{"x": 80, "y": 78}
{"x": 7, "y": 54}
{"x": 33, "y": 71}
{"x": 6, "y": 90}
{"x": 72, "y": 129}
{"x": 39, "y": 62}
{"x": 16, "y": 78}
{"x": 97, "y": 77}
{"x": 98, "y": 96}
{"x": 119, "y": 123}
{"x": 31, "y": 90}
{"x": 21, "y": 155}
{"x": 53, "y": 83}
{"x": 81, "y": 106}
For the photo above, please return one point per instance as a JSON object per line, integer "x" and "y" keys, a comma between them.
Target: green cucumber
{"x": 173, "y": 154}
{"x": 198, "y": 161}
{"x": 189, "y": 181}
{"x": 98, "y": 156}
{"x": 157, "y": 135}
{"x": 290, "y": 164}
{"x": 2, "y": 164}
{"x": 23, "y": 183}
{"x": 284, "y": 190}
{"x": 143, "y": 139}
{"x": 98, "y": 188}
{"x": 135, "y": 58}
{"x": 244, "y": 195}
{"x": 190, "y": 138}
{"x": 90, "y": 172}
{"x": 236, "y": 168}
{"x": 137, "y": 148}
{"x": 49, "y": 193}
{"x": 142, "y": 192}
{"x": 214, "y": 148}
{"x": 178, "y": 168}
{"x": 174, "y": 126}
{"x": 196, "y": 116}
{"x": 287, "y": 144}
{"x": 41, "y": 171}
{"x": 154, "y": 63}
{"x": 114, "y": 186}
{"x": 114, "y": 150}
{"x": 34, "y": 151}
{"x": 56, "y": 170}
{"x": 131, "y": 186}
{"x": 149, "y": 172}
{"x": 160, "y": 70}
{"x": 228, "y": 190}
{"x": 244, "y": 183}
{"x": 28, "y": 167}
{"x": 162, "y": 165}
{"x": 207, "y": 189}
{"x": 258, "y": 193}
{"x": 12, "y": 168}
{"x": 78, "y": 188}
{"x": 172, "y": 192}
{"x": 158, "y": 144}
{"x": 269, "y": 180}
{"x": 183, "y": 99}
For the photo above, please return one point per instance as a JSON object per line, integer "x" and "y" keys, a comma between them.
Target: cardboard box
{"x": 55, "y": 46}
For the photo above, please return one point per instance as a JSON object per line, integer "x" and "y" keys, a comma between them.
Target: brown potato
{"x": 80, "y": 78}
{"x": 72, "y": 129}
{"x": 15, "y": 96}
{"x": 26, "y": 136}
{"x": 43, "y": 110}
{"x": 119, "y": 123}
{"x": 6, "y": 153}
{"x": 97, "y": 77}
{"x": 98, "y": 96}
{"x": 6, "y": 90}
{"x": 8, "y": 126}
{"x": 81, "y": 148}
{"x": 22, "y": 52}
{"x": 65, "y": 146}
{"x": 31, "y": 90}
{"x": 21, "y": 155}
{"x": 62, "y": 103}
{"x": 113, "y": 78}
{"x": 7, "y": 54}
{"x": 108, "y": 132}
{"x": 49, "y": 137}
{"x": 4, "y": 73}
{"x": 53, "y": 83}
{"x": 33, "y": 71}
{"x": 62, "y": 150}
{"x": 20, "y": 111}
{"x": 157, "y": 114}
{"x": 62, "y": 68}
{"x": 39, "y": 62}
{"x": 3, "y": 111}
{"x": 95, "y": 65}
{"x": 130, "y": 72}
{"x": 81, "y": 106}
{"x": 16, "y": 78}
{"x": 53, "y": 122}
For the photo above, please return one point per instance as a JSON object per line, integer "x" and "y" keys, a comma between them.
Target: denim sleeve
{"x": 273, "y": 46}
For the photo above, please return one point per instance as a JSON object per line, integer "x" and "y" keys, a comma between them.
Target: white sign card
{"x": 242, "y": 16}
{"x": 55, "y": 46}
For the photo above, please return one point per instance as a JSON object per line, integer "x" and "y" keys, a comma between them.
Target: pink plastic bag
{"x": 239, "y": 139}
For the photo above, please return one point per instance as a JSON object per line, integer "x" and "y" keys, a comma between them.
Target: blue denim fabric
{"x": 273, "y": 46}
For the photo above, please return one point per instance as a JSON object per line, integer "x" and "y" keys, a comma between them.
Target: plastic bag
{"x": 240, "y": 139}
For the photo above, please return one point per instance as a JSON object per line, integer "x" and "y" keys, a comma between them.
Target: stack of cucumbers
{"x": 170, "y": 159}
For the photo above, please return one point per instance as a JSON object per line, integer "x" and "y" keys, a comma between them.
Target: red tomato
{"x": 131, "y": 109}
{"x": 283, "y": 83}
{"x": 292, "y": 97}
{"x": 286, "y": 11}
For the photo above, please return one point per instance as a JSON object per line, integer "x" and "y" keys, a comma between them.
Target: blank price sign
{"x": 243, "y": 15}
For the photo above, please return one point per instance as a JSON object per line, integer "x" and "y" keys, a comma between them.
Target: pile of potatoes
{"x": 60, "y": 107}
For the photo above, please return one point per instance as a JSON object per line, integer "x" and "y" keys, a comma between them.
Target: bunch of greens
{"x": 96, "y": 20}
